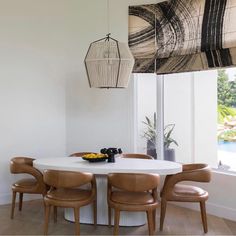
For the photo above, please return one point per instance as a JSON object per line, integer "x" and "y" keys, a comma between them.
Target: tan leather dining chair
{"x": 185, "y": 193}
{"x": 132, "y": 192}
{"x": 34, "y": 185}
{"x": 65, "y": 192}
{"x": 136, "y": 155}
{"x": 80, "y": 154}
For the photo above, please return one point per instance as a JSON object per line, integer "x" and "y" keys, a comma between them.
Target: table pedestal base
{"x": 86, "y": 212}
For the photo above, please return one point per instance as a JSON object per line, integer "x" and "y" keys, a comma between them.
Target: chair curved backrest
{"x": 67, "y": 179}
{"x": 80, "y": 154}
{"x": 197, "y": 172}
{"x": 18, "y": 164}
{"x": 24, "y": 165}
{"x": 133, "y": 182}
{"x": 132, "y": 192}
{"x": 65, "y": 192}
{"x": 136, "y": 155}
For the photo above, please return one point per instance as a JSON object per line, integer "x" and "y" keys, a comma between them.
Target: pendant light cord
{"x": 108, "y": 18}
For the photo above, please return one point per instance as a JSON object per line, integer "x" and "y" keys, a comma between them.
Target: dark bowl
{"x": 95, "y": 159}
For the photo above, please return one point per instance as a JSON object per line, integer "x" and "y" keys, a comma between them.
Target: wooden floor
{"x": 179, "y": 221}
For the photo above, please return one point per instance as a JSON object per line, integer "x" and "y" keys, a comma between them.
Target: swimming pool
{"x": 227, "y": 146}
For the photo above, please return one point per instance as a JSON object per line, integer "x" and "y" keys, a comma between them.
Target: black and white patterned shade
{"x": 183, "y": 35}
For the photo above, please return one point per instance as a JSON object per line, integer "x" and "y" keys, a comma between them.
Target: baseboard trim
{"x": 6, "y": 198}
{"x": 212, "y": 209}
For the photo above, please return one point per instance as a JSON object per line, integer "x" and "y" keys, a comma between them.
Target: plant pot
{"x": 151, "y": 149}
{"x": 169, "y": 154}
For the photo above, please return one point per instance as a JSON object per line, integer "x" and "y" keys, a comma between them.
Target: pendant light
{"x": 108, "y": 63}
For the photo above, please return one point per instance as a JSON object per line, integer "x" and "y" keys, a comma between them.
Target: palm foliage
{"x": 227, "y": 135}
{"x": 225, "y": 112}
{"x": 167, "y": 135}
{"x": 150, "y": 132}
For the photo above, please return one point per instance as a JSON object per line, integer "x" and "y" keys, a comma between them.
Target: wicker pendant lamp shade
{"x": 108, "y": 63}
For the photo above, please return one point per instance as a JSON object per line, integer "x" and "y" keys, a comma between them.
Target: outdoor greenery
{"x": 226, "y": 90}
{"x": 151, "y": 134}
{"x": 225, "y": 112}
{"x": 226, "y": 107}
{"x": 227, "y": 135}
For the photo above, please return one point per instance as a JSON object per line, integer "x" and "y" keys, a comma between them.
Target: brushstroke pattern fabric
{"x": 183, "y": 35}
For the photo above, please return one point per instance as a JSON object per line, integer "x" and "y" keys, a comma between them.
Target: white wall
{"x": 42, "y": 49}
{"x": 33, "y": 66}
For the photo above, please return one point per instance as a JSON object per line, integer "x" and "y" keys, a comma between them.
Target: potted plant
{"x": 150, "y": 135}
{"x": 169, "y": 153}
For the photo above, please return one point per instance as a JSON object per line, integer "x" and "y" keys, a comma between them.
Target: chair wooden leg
{"x": 13, "y": 204}
{"x": 55, "y": 214}
{"x": 150, "y": 221}
{"x": 203, "y": 215}
{"x": 20, "y": 201}
{"x": 77, "y": 221}
{"x": 163, "y": 213}
{"x": 109, "y": 216}
{"x": 154, "y": 219}
{"x": 46, "y": 218}
{"x": 95, "y": 212}
{"x": 117, "y": 221}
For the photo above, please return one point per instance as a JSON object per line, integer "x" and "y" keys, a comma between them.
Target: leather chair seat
{"x": 132, "y": 198}
{"x": 187, "y": 190}
{"x": 25, "y": 183}
{"x": 69, "y": 194}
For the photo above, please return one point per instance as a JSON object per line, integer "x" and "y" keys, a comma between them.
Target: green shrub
{"x": 228, "y": 135}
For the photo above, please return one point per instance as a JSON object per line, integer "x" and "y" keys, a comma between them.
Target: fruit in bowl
{"x": 95, "y": 157}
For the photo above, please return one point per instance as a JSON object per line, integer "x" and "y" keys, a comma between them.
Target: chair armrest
{"x": 26, "y": 168}
{"x": 189, "y": 174}
{"x": 32, "y": 171}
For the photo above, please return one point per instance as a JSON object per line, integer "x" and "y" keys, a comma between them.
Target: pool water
{"x": 227, "y": 146}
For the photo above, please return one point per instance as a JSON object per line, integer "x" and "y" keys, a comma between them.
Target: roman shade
{"x": 183, "y": 35}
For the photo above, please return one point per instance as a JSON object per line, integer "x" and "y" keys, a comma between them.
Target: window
{"x": 226, "y": 127}
{"x": 145, "y": 100}
{"x": 190, "y": 103}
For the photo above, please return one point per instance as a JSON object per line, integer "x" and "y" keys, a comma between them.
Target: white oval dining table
{"x": 101, "y": 169}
